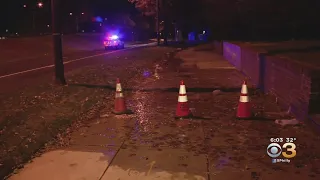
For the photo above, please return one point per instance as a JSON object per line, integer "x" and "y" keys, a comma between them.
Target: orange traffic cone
{"x": 244, "y": 107}
{"x": 183, "y": 107}
{"x": 120, "y": 104}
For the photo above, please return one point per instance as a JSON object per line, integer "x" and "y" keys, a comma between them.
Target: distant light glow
{"x": 40, "y": 4}
{"x": 24, "y": 6}
{"x": 97, "y": 19}
{"x": 70, "y": 14}
{"x": 113, "y": 37}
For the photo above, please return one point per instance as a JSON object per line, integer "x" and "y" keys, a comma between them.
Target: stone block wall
{"x": 293, "y": 84}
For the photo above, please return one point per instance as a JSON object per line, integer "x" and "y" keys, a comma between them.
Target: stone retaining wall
{"x": 250, "y": 65}
{"x": 290, "y": 82}
{"x": 314, "y": 104}
{"x": 218, "y": 46}
{"x": 232, "y": 53}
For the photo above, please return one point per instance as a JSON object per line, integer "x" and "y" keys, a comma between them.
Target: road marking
{"x": 96, "y": 55}
{"x": 74, "y": 60}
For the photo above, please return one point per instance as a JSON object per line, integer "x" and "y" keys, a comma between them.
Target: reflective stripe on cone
{"x": 183, "y": 107}
{"x": 119, "y": 103}
{"x": 244, "y": 106}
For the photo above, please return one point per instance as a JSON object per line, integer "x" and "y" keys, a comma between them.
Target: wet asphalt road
{"x": 39, "y": 64}
{"x": 152, "y": 144}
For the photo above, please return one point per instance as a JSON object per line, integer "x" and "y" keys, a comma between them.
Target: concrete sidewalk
{"x": 203, "y": 59}
{"x": 151, "y": 144}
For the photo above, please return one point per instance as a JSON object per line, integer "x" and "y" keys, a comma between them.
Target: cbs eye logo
{"x": 275, "y": 150}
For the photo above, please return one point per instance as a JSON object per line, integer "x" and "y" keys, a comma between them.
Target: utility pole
{"x": 57, "y": 42}
{"x": 77, "y": 23}
{"x": 158, "y": 22}
{"x": 34, "y": 21}
{"x": 165, "y": 23}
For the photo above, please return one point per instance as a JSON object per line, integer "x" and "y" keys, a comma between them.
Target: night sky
{"x": 262, "y": 18}
{"x": 14, "y": 15}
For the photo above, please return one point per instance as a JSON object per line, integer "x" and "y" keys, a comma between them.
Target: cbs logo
{"x": 274, "y": 150}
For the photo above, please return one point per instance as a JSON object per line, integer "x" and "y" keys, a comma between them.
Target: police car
{"x": 113, "y": 41}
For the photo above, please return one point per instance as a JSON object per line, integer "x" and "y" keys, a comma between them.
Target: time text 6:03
{"x": 276, "y": 140}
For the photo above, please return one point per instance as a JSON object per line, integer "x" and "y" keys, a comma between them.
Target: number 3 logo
{"x": 291, "y": 149}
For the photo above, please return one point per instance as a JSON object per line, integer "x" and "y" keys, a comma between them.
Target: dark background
{"x": 227, "y": 19}
{"x": 16, "y": 18}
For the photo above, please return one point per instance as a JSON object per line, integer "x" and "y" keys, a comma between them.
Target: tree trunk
{"x": 165, "y": 30}
{"x": 165, "y": 13}
{"x": 158, "y": 22}
{"x": 57, "y": 43}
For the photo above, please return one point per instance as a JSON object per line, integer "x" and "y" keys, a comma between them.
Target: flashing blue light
{"x": 99, "y": 19}
{"x": 114, "y": 37}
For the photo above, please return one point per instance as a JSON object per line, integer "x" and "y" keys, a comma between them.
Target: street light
{"x": 40, "y": 4}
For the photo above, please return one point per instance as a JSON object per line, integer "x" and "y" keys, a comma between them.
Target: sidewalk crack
{"x": 104, "y": 172}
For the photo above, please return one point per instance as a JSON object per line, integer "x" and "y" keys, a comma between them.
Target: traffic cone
{"x": 244, "y": 106}
{"x": 120, "y": 104}
{"x": 183, "y": 107}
